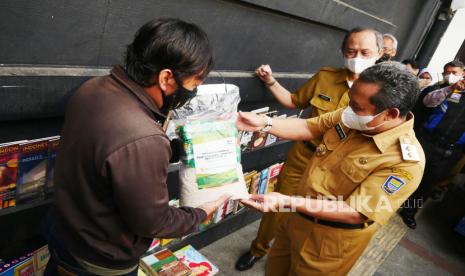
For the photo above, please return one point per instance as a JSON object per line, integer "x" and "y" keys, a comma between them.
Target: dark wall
{"x": 293, "y": 36}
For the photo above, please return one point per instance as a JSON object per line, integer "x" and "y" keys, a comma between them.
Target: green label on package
{"x": 211, "y": 148}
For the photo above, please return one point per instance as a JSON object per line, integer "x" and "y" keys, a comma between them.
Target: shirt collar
{"x": 343, "y": 76}
{"x": 120, "y": 75}
{"x": 387, "y": 138}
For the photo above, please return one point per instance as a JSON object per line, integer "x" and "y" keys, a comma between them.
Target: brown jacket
{"x": 111, "y": 172}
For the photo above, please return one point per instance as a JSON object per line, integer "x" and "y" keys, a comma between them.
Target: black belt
{"x": 337, "y": 224}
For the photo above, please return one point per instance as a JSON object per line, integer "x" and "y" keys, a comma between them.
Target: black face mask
{"x": 383, "y": 58}
{"x": 179, "y": 98}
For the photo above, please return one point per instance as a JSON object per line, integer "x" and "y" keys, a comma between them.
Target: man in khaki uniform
{"x": 326, "y": 91}
{"x": 368, "y": 163}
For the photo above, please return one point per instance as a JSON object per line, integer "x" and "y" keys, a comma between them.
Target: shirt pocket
{"x": 354, "y": 170}
{"x": 319, "y": 103}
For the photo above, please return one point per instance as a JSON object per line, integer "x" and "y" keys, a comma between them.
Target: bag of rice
{"x": 211, "y": 162}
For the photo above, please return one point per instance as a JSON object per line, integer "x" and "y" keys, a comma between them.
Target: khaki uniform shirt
{"x": 326, "y": 91}
{"x": 368, "y": 172}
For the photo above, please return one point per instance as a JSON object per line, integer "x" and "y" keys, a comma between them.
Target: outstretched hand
{"x": 249, "y": 121}
{"x": 271, "y": 202}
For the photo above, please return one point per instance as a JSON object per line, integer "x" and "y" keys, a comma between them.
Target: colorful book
{"x": 197, "y": 263}
{"x": 9, "y": 156}
{"x": 32, "y": 170}
{"x": 258, "y": 140}
{"x": 40, "y": 259}
{"x": 164, "y": 263}
{"x": 53, "y": 145}
{"x": 255, "y": 183}
{"x": 262, "y": 187}
{"x": 21, "y": 266}
{"x": 273, "y": 175}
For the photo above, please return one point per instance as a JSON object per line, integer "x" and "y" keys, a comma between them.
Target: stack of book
{"x": 26, "y": 170}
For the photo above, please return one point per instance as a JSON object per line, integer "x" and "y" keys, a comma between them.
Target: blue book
{"x": 262, "y": 187}
{"x": 32, "y": 170}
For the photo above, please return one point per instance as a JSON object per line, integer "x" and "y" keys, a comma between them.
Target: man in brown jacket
{"x": 111, "y": 172}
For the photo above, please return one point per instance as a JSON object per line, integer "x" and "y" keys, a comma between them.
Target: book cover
{"x": 53, "y": 145}
{"x": 258, "y": 140}
{"x": 248, "y": 179}
{"x": 20, "y": 266}
{"x": 32, "y": 170}
{"x": 9, "y": 156}
{"x": 262, "y": 187}
{"x": 164, "y": 263}
{"x": 40, "y": 259}
{"x": 271, "y": 139}
{"x": 273, "y": 175}
{"x": 255, "y": 183}
{"x": 199, "y": 265}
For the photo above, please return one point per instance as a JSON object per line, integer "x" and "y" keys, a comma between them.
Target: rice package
{"x": 211, "y": 164}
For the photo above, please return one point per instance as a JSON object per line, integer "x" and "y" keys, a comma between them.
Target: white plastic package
{"x": 211, "y": 162}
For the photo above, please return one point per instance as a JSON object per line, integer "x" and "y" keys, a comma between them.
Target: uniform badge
{"x": 392, "y": 184}
{"x": 409, "y": 149}
{"x": 324, "y": 97}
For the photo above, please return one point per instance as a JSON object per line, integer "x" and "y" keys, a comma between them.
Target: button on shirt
{"x": 368, "y": 172}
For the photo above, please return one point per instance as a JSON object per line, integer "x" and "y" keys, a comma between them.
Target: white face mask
{"x": 357, "y": 65}
{"x": 359, "y": 122}
{"x": 451, "y": 78}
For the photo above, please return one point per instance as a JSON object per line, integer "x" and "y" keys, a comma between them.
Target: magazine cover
{"x": 32, "y": 170}
{"x": 262, "y": 187}
{"x": 196, "y": 262}
{"x": 9, "y": 155}
{"x": 164, "y": 263}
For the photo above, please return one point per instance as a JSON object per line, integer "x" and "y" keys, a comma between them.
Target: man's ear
{"x": 393, "y": 113}
{"x": 166, "y": 80}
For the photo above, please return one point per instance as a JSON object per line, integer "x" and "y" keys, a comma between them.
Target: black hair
{"x": 378, "y": 35}
{"x": 398, "y": 87}
{"x": 168, "y": 43}
{"x": 454, "y": 63}
{"x": 413, "y": 63}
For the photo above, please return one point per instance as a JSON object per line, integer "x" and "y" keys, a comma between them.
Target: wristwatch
{"x": 269, "y": 124}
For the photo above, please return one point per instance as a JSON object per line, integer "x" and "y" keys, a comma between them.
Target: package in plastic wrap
{"x": 211, "y": 163}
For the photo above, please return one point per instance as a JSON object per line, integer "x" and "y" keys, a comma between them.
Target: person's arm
{"x": 291, "y": 128}
{"x": 331, "y": 210}
{"x": 436, "y": 97}
{"x": 279, "y": 92}
{"x": 137, "y": 173}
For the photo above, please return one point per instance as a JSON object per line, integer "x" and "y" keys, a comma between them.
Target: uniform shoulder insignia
{"x": 409, "y": 149}
{"x": 392, "y": 184}
{"x": 402, "y": 172}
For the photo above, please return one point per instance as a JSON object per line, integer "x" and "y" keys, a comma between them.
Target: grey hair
{"x": 398, "y": 87}
{"x": 378, "y": 35}
{"x": 393, "y": 38}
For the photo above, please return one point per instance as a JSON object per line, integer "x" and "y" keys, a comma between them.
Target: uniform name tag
{"x": 340, "y": 132}
{"x": 409, "y": 149}
{"x": 324, "y": 97}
